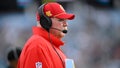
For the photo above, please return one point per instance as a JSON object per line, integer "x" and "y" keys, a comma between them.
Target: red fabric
{"x": 37, "y": 16}
{"x": 57, "y": 11}
{"x": 39, "y": 49}
{"x": 53, "y": 9}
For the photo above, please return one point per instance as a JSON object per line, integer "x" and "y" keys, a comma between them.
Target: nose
{"x": 65, "y": 24}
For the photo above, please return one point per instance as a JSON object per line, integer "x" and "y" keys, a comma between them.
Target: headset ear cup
{"x": 45, "y": 21}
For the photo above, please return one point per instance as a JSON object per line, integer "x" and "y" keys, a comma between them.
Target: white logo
{"x": 69, "y": 63}
{"x": 38, "y": 65}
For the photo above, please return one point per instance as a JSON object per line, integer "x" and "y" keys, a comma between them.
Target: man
{"x": 13, "y": 56}
{"x": 42, "y": 50}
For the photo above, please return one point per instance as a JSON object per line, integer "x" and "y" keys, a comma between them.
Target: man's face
{"x": 60, "y": 24}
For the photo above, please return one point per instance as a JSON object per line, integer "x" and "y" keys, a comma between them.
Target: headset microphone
{"x": 64, "y": 31}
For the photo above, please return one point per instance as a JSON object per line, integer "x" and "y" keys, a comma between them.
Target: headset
{"x": 45, "y": 21}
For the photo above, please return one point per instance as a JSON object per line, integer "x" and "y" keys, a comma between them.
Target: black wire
{"x": 56, "y": 51}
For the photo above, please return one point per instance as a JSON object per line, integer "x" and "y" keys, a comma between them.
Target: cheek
{"x": 56, "y": 24}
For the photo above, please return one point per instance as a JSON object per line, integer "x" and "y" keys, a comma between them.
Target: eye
{"x": 61, "y": 20}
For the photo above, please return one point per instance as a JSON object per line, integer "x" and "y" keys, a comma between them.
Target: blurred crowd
{"x": 93, "y": 39}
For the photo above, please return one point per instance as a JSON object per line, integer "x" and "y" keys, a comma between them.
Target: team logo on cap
{"x": 48, "y": 13}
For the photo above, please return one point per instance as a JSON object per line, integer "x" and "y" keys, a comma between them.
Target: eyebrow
{"x": 62, "y": 19}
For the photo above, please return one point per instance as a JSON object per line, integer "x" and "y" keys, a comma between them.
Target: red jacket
{"x": 38, "y": 51}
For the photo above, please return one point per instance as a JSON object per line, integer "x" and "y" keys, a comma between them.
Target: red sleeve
{"x": 35, "y": 58}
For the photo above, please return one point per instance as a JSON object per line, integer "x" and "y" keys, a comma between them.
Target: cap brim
{"x": 66, "y": 16}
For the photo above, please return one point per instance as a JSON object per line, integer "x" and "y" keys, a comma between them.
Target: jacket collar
{"x": 42, "y": 32}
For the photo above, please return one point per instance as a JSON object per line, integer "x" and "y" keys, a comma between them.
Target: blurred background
{"x": 93, "y": 40}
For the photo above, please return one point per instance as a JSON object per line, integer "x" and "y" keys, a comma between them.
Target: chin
{"x": 61, "y": 35}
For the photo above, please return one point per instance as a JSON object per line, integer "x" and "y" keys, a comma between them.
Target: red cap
{"x": 37, "y": 17}
{"x": 54, "y": 9}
